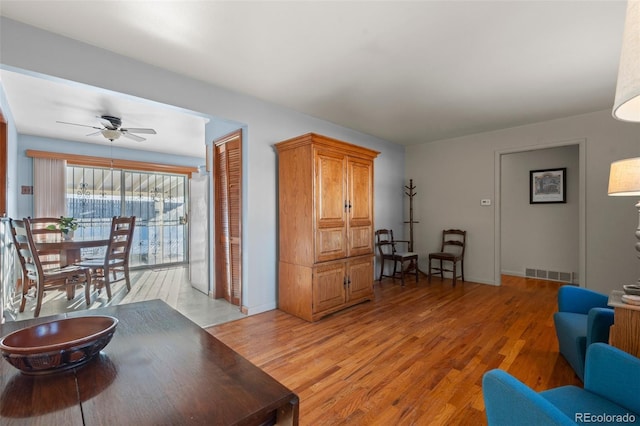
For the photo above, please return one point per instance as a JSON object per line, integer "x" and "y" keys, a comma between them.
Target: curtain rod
{"x": 87, "y": 160}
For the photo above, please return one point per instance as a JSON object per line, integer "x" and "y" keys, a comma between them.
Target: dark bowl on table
{"x": 57, "y": 345}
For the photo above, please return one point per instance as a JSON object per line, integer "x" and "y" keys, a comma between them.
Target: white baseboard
{"x": 254, "y": 310}
{"x": 513, "y": 273}
{"x": 480, "y": 281}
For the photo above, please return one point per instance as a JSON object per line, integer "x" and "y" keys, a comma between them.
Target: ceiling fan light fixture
{"x": 110, "y": 134}
{"x": 626, "y": 106}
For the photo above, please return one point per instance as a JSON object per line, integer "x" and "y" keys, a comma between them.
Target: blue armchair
{"x": 583, "y": 318}
{"x": 610, "y": 394}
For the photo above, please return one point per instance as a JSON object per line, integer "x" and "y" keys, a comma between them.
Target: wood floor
{"x": 413, "y": 356}
{"x": 170, "y": 284}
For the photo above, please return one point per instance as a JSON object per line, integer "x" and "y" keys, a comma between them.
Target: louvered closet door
{"x": 228, "y": 176}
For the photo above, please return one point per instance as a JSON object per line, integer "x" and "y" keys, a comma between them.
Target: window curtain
{"x": 49, "y": 186}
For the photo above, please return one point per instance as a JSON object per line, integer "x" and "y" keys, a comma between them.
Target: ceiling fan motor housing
{"x": 114, "y": 121}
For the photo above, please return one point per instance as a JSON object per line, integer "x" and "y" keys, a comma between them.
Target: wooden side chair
{"x": 387, "y": 249}
{"x": 451, "y": 250}
{"x": 41, "y": 231}
{"x": 35, "y": 275}
{"x": 114, "y": 266}
{"x": 47, "y": 229}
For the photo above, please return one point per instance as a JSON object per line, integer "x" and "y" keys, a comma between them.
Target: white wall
{"x": 28, "y": 48}
{"x": 538, "y": 236}
{"x": 453, "y": 175}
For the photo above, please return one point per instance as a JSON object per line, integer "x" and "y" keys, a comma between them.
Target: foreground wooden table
{"x": 159, "y": 369}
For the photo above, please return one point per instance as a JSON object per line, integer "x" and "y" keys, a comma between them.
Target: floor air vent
{"x": 565, "y": 276}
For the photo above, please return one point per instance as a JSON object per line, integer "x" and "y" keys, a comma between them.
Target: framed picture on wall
{"x": 548, "y": 186}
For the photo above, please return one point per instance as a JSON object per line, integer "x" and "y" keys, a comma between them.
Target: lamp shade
{"x": 624, "y": 177}
{"x": 626, "y": 106}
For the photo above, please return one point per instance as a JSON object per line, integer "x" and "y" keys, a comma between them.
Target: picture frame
{"x": 548, "y": 186}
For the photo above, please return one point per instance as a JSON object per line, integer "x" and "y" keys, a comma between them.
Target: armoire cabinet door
{"x": 330, "y": 199}
{"x": 360, "y": 276}
{"x": 360, "y": 206}
{"x": 329, "y": 286}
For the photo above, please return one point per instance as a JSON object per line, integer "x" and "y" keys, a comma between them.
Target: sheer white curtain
{"x": 49, "y": 186}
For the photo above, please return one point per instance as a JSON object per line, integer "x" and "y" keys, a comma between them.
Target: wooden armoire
{"x": 325, "y": 196}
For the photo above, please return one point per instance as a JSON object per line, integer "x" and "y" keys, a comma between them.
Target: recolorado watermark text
{"x": 604, "y": 418}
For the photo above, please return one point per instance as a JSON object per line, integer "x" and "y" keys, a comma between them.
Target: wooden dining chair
{"x": 35, "y": 275}
{"x": 114, "y": 266}
{"x": 387, "y": 248}
{"x": 451, "y": 250}
{"x": 46, "y": 229}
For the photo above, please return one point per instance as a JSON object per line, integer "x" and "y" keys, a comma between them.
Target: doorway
{"x": 559, "y": 227}
{"x": 199, "y": 232}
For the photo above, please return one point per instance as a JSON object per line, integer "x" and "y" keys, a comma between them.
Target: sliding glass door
{"x": 158, "y": 200}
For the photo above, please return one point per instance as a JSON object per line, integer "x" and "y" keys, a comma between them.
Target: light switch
{"x": 485, "y": 202}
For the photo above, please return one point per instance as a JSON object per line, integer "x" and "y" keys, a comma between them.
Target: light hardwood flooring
{"x": 168, "y": 284}
{"x": 413, "y": 356}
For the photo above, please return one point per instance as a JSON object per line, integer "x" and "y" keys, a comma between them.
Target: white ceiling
{"x": 38, "y": 104}
{"x": 408, "y": 72}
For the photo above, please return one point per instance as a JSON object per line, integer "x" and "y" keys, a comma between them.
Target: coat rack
{"x": 410, "y": 192}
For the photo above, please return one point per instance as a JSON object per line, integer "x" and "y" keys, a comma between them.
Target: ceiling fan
{"x": 112, "y": 129}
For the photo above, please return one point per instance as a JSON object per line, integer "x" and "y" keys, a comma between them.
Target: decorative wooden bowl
{"x": 57, "y": 345}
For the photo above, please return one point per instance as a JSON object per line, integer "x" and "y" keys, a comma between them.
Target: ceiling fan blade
{"x": 76, "y": 124}
{"x": 132, "y": 136}
{"x": 136, "y": 130}
{"x": 95, "y": 133}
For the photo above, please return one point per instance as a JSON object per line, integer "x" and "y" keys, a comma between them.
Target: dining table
{"x": 160, "y": 368}
{"x": 70, "y": 249}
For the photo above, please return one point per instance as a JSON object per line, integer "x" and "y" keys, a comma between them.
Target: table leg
{"x": 69, "y": 257}
{"x": 289, "y": 414}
